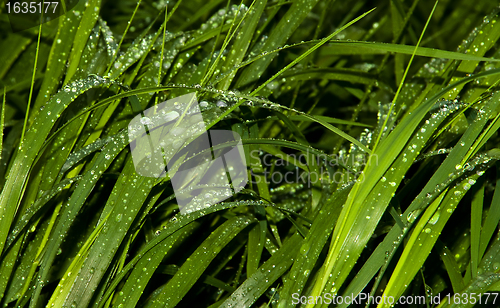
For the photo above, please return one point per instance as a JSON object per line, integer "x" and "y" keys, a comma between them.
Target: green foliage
{"x": 386, "y": 113}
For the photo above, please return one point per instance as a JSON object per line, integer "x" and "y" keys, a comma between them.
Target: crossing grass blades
{"x": 397, "y": 100}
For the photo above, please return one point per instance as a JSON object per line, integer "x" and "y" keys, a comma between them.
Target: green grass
{"x": 397, "y": 100}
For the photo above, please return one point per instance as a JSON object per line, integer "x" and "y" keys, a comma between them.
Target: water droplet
{"x": 146, "y": 121}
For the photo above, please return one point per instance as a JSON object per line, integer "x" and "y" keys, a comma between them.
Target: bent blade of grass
{"x": 39, "y": 204}
{"x": 387, "y": 151}
{"x": 140, "y": 46}
{"x": 69, "y": 279}
{"x": 7, "y": 267}
{"x": 196, "y": 264}
{"x": 395, "y": 236}
{"x": 362, "y": 48}
{"x": 242, "y": 42}
{"x": 220, "y": 117}
{"x": 176, "y": 224}
{"x": 395, "y": 98}
{"x": 257, "y": 236}
{"x": 308, "y": 52}
{"x": 282, "y": 143}
{"x": 58, "y": 56}
{"x": 491, "y": 220}
{"x": 33, "y": 142}
{"x": 314, "y": 242}
{"x": 319, "y": 119}
{"x": 255, "y": 286}
{"x": 278, "y": 37}
{"x": 124, "y": 203}
{"x": 326, "y": 119}
{"x": 453, "y": 270}
{"x": 76, "y": 156}
{"x": 361, "y": 224}
{"x": 213, "y": 30}
{"x": 477, "y": 291}
{"x": 340, "y": 74}
{"x": 142, "y": 272}
{"x": 210, "y": 72}
{"x": 476, "y": 213}
{"x": 89, "y": 19}
{"x": 491, "y": 260}
{"x": 338, "y": 132}
{"x": 423, "y": 239}
{"x": 71, "y": 210}
{"x": 270, "y": 105}
{"x": 418, "y": 254}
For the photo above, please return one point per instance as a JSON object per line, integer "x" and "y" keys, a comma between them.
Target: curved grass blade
{"x": 73, "y": 206}
{"x": 89, "y": 19}
{"x": 278, "y": 37}
{"x": 177, "y": 223}
{"x": 459, "y": 153}
{"x": 305, "y": 54}
{"x": 196, "y": 264}
{"x": 33, "y": 142}
{"x": 33, "y": 211}
{"x": 142, "y": 272}
{"x": 361, "y": 48}
{"x": 58, "y": 56}
{"x": 255, "y": 286}
{"x": 313, "y": 244}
